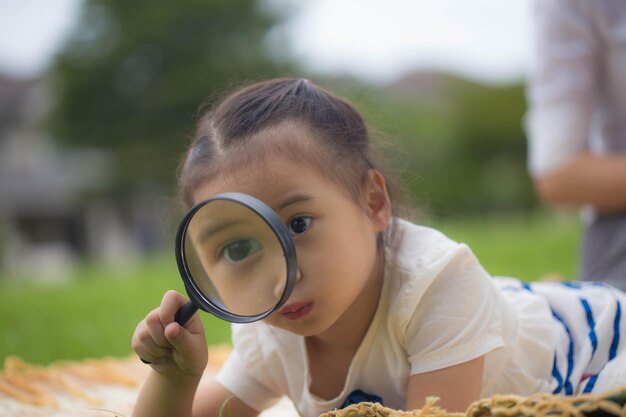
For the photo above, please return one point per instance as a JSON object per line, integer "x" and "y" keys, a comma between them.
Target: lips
{"x": 295, "y": 311}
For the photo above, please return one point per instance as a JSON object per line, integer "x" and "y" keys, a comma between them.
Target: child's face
{"x": 335, "y": 241}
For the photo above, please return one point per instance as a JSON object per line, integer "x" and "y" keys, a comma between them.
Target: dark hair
{"x": 231, "y": 135}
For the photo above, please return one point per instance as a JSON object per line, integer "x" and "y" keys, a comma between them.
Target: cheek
{"x": 342, "y": 247}
{"x": 341, "y": 255}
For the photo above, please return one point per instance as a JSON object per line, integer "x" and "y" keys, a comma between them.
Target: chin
{"x": 305, "y": 327}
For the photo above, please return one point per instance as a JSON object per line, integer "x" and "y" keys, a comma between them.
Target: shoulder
{"x": 423, "y": 262}
{"x": 433, "y": 295}
{"x": 421, "y": 250}
{"x": 414, "y": 238}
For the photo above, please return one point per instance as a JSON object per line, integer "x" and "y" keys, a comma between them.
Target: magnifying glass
{"x": 236, "y": 258}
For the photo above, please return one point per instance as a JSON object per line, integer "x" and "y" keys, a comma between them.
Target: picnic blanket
{"x": 108, "y": 387}
{"x": 105, "y": 387}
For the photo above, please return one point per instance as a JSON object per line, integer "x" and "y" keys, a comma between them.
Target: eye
{"x": 239, "y": 250}
{"x": 299, "y": 225}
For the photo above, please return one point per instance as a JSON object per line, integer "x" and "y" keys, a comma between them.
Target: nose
{"x": 279, "y": 288}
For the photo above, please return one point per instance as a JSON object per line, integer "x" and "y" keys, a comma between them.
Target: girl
{"x": 383, "y": 309}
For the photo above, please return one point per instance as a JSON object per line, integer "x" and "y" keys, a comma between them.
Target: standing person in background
{"x": 576, "y": 124}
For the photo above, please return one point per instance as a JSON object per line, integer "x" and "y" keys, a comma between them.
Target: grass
{"x": 95, "y": 314}
{"x": 529, "y": 247}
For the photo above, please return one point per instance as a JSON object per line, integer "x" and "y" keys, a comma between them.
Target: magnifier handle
{"x": 185, "y": 312}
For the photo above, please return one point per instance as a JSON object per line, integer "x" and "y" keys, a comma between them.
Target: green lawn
{"x": 95, "y": 315}
{"x": 527, "y": 247}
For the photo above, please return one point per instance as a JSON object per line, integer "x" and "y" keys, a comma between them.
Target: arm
{"x": 458, "y": 321}
{"x": 562, "y": 93}
{"x": 215, "y": 400}
{"x": 176, "y": 397}
{"x": 178, "y": 357}
{"x": 457, "y": 386}
{"x": 599, "y": 181}
{"x": 163, "y": 396}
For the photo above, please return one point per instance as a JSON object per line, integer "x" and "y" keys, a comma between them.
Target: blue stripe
{"x": 616, "y": 331}
{"x": 613, "y": 349}
{"x": 591, "y": 383}
{"x": 594, "y": 342}
{"x": 570, "y": 356}
{"x": 593, "y": 338}
{"x": 557, "y": 375}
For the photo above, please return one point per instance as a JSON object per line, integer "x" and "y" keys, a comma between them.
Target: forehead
{"x": 269, "y": 180}
{"x": 268, "y": 164}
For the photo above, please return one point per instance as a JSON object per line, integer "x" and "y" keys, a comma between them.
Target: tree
{"x": 133, "y": 74}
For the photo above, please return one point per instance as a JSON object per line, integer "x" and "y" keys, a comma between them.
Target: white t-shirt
{"x": 438, "y": 308}
{"x": 577, "y": 83}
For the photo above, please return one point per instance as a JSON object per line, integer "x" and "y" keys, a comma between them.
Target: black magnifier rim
{"x": 279, "y": 229}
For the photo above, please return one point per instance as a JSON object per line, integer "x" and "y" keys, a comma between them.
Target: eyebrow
{"x": 296, "y": 198}
{"x": 208, "y": 231}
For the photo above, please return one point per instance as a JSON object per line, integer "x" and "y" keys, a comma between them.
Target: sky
{"x": 374, "y": 40}
{"x": 31, "y": 31}
{"x": 379, "y": 40}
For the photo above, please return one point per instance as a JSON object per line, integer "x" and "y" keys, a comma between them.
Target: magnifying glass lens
{"x": 234, "y": 258}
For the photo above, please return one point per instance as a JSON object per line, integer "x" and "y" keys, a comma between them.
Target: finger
{"x": 149, "y": 356}
{"x": 144, "y": 345}
{"x": 171, "y": 303}
{"x": 194, "y": 325}
{"x": 156, "y": 350}
{"x": 156, "y": 328}
{"x": 182, "y": 340}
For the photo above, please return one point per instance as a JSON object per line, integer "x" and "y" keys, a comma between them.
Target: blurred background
{"x": 98, "y": 100}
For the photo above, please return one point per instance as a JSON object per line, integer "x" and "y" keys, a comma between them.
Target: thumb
{"x": 182, "y": 339}
{"x": 190, "y": 351}
{"x": 176, "y": 335}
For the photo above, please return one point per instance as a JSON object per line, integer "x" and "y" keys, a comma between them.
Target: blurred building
{"x": 55, "y": 210}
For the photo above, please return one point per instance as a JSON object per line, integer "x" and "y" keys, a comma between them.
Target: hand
{"x": 171, "y": 349}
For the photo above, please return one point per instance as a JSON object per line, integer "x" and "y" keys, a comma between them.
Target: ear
{"x": 377, "y": 200}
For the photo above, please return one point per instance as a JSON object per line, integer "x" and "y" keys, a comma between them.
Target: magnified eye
{"x": 299, "y": 225}
{"x": 239, "y": 250}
